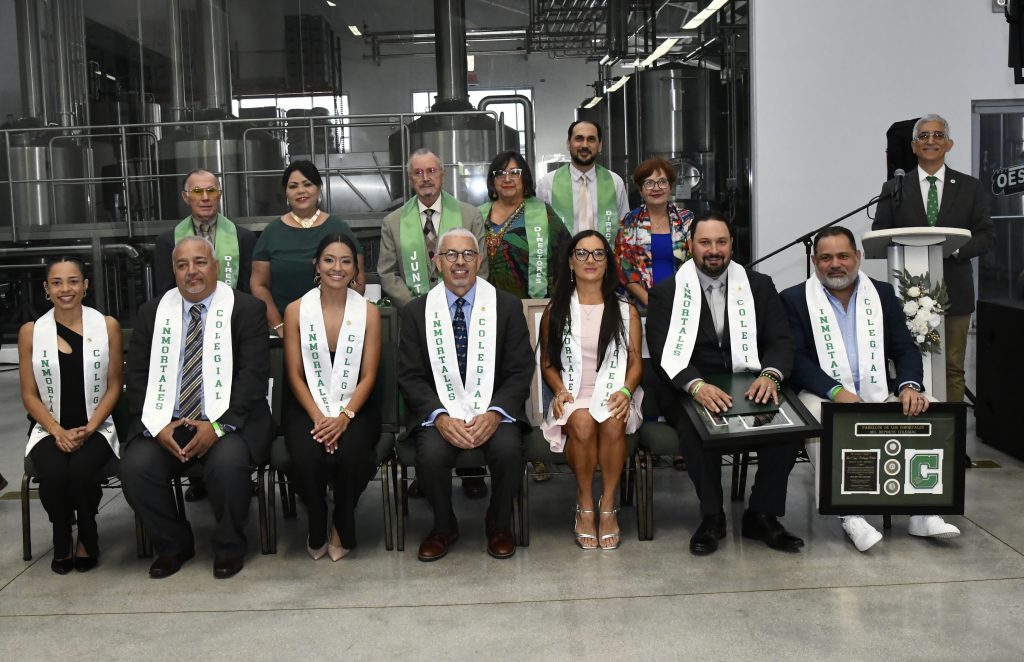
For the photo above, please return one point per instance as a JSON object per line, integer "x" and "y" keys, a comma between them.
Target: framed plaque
{"x": 733, "y": 432}
{"x": 877, "y": 461}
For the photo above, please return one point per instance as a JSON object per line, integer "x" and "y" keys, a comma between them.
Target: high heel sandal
{"x": 336, "y": 552}
{"x": 609, "y": 536}
{"x": 581, "y": 537}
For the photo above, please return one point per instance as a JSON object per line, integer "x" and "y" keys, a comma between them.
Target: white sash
{"x": 831, "y": 348}
{"x": 332, "y": 399}
{"x": 165, "y": 355}
{"x": 46, "y": 366}
{"x": 473, "y": 399}
{"x": 685, "y": 321}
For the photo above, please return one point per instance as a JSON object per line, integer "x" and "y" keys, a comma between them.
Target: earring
{"x": 316, "y": 279}
{"x": 46, "y": 295}
{"x": 572, "y": 275}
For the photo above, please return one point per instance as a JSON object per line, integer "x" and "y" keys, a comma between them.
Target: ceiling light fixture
{"x": 617, "y": 85}
{"x": 704, "y": 14}
{"x": 331, "y": 4}
{"x": 354, "y": 29}
{"x": 593, "y": 102}
{"x": 659, "y": 52}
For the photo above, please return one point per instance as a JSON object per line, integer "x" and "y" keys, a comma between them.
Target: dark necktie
{"x": 461, "y": 336}
{"x": 189, "y": 401}
{"x": 429, "y": 232}
{"x": 933, "y": 200}
{"x": 205, "y": 230}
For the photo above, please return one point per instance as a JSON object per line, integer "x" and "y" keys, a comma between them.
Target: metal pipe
{"x": 127, "y": 250}
{"x": 216, "y": 60}
{"x": 59, "y": 50}
{"x": 529, "y": 149}
{"x": 177, "y": 61}
{"x": 450, "y": 27}
{"x": 33, "y": 101}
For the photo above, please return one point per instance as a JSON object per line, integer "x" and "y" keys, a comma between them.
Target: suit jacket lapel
{"x": 912, "y": 196}
{"x": 950, "y": 191}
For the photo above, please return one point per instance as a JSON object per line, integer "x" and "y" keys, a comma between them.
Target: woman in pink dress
{"x": 590, "y": 358}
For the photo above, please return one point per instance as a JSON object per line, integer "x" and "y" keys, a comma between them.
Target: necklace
{"x": 306, "y": 223}
{"x": 494, "y": 239}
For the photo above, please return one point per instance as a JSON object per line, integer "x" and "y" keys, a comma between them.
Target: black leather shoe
{"x": 705, "y": 539}
{"x": 475, "y": 488}
{"x": 229, "y": 567}
{"x": 86, "y": 563}
{"x": 165, "y": 566}
{"x": 196, "y": 490}
{"x": 768, "y": 529}
{"x": 63, "y": 566}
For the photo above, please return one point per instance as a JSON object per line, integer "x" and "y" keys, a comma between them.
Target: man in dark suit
{"x": 225, "y": 425}
{"x": 871, "y": 332}
{"x": 934, "y": 195}
{"x": 716, "y": 342}
{"x": 201, "y": 192}
{"x": 496, "y": 424}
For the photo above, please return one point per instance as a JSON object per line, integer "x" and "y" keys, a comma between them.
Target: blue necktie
{"x": 461, "y": 336}
{"x": 189, "y": 401}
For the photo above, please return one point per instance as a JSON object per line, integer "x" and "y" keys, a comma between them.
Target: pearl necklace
{"x": 306, "y": 223}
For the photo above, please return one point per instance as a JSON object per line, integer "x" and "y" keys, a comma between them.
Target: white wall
{"x": 829, "y": 77}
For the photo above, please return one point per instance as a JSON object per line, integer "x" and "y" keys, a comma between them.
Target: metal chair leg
{"x": 649, "y": 499}
{"x": 179, "y": 497}
{"x": 402, "y": 499}
{"x": 271, "y": 498}
{"x": 389, "y": 543}
{"x": 143, "y": 545}
{"x": 524, "y": 510}
{"x": 734, "y": 492}
{"x": 26, "y": 519}
{"x": 287, "y": 485}
{"x": 284, "y": 493}
{"x": 745, "y": 464}
{"x": 261, "y": 502}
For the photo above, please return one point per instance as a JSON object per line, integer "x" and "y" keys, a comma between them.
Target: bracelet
{"x": 275, "y": 328}
{"x": 217, "y": 429}
{"x": 696, "y": 387}
{"x": 561, "y": 392}
{"x": 771, "y": 376}
{"x": 834, "y": 391}
{"x": 625, "y": 391}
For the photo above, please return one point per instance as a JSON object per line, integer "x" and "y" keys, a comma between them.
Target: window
{"x": 335, "y": 105}
{"x": 422, "y": 101}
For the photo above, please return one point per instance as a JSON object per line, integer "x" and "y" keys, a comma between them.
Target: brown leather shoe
{"x": 435, "y": 546}
{"x": 501, "y": 544}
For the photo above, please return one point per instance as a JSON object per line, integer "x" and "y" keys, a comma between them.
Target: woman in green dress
{"x": 525, "y": 237}
{"x": 282, "y": 262}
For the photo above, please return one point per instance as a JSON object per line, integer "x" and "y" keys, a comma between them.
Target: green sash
{"x": 225, "y": 245}
{"x": 537, "y": 241}
{"x": 415, "y": 261}
{"x": 607, "y": 216}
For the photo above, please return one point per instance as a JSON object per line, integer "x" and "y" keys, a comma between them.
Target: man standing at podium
{"x": 936, "y": 196}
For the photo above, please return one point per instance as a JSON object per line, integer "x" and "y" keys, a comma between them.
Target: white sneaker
{"x": 931, "y": 526}
{"x": 863, "y": 535}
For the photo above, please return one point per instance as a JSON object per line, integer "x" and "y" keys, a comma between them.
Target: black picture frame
{"x": 749, "y": 439}
{"x": 871, "y": 503}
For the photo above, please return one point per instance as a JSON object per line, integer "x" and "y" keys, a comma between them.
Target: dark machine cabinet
{"x": 1000, "y": 416}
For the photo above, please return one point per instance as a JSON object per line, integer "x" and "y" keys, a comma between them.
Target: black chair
{"x": 275, "y": 472}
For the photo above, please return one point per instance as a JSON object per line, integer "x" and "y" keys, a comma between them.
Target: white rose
{"x": 914, "y": 292}
{"x": 922, "y": 316}
{"x": 934, "y": 321}
{"x": 927, "y": 302}
{"x": 920, "y": 339}
{"x": 910, "y": 308}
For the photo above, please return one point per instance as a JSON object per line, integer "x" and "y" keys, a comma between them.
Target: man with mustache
{"x": 713, "y": 317}
{"x": 587, "y": 196}
{"x": 852, "y": 365}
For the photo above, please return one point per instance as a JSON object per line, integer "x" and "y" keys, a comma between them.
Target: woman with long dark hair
{"x": 590, "y": 344}
{"x": 70, "y": 364}
{"x": 331, "y": 425}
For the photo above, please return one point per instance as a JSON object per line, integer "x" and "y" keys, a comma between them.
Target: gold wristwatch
{"x": 348, "y": 412}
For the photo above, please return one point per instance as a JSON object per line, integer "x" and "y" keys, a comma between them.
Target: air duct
{"x": 450, "y": 49}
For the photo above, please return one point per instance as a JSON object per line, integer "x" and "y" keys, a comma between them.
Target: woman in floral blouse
{"x": 653, "y": 239}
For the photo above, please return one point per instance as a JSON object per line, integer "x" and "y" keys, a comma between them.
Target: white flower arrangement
{"x": 924, "y": 307}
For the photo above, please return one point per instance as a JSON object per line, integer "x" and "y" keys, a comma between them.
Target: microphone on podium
{"x": 898, "y": 190}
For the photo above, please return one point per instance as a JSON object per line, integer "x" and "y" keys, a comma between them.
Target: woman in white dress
{"x": 590, "y": 358}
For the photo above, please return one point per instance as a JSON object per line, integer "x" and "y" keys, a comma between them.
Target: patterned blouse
{"x": 508, "y": 266}
{"x": 633, "y": 243}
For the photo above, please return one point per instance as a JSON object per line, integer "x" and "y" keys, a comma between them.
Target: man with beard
{"x": 587, "y": 196}
{"x": 713, "y": 317}
{"x": 851, "y": 366}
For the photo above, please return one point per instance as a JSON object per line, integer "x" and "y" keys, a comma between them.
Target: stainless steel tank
{"x": 255, "y": 195}
{"x": 38, "y": 202}
{"x": 464, "y": 143}
{"x": 678, "y": 105}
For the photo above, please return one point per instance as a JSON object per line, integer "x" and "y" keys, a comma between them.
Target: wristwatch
{"x": 348, "y": 412}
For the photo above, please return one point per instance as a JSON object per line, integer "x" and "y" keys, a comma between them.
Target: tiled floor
{"x": 906, "y": 599}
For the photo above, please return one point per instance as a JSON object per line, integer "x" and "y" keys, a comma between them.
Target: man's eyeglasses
{"x": 198, "y": 192}
{"x": 468, "y": 255}
{"x": 420, "y": 173}
{"x": 582, "y": 254}
{"x": 651, "y": 184}
{"x": 514, "y": 173}
{"x": 925, "y": 135}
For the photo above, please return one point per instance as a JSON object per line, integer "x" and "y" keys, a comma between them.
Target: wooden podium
{"x": 919, "y": 250}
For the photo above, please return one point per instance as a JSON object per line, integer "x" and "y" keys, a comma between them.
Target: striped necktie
{"x": 189, "y": 394}
{"x": 461, "y": 336}
{"x": 933, "y": 200}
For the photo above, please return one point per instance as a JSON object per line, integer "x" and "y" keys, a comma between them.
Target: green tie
{"x": 933, "y": 200}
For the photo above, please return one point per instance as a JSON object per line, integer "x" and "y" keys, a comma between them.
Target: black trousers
{"x": 435, "y": 459}
{"x": 768, "y": 494}
{"x": 348, "y": 470}
{"x": 70, "y": 483}
{"x": 146, "y": 472}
